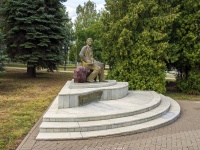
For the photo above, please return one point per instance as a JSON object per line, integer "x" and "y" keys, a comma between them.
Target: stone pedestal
{"x": 138, "y": 111}
{"x": 77, "y": 94}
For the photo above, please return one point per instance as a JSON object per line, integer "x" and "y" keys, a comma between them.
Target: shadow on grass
{"x": 172, "y": 87}
{"x": 175, "y": 93}
{"x": 15, "y": 80}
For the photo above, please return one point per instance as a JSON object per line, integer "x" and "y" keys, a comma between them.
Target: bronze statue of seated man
{"x": 86, "y": 55}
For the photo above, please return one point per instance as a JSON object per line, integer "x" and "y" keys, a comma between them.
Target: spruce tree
{"x": 35, "y": 32}
{"x": 2, "y": 44}
{"x": 136, "y": 40}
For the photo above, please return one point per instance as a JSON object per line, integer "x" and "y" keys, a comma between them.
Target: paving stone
{"x": 187, "y": 124}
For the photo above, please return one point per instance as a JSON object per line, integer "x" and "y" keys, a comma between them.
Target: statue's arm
{"x": 81, "y": 54}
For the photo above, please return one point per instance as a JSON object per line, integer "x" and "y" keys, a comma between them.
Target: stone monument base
{"x": 77, "y": 94}
{"x": 104, "y": 110}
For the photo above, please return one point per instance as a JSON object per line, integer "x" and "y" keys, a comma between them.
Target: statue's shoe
{"x": 90, "y": 81}
{"x": 103, "y": 81}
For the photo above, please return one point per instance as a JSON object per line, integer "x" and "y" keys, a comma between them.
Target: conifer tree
{"x": 136, "y": 40}
{"x": 2, "y": 44}
{"x": 35, "y": 32}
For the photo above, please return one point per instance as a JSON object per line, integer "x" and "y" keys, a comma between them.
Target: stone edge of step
{"x": 60, "y": 118}
{"x": 107, "y": 123}
{"x": 169, "y": 117}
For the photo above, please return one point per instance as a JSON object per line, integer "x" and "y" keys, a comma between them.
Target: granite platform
{"x": 114, "y": 110}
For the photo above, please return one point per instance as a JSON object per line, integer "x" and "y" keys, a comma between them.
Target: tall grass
{"x": 23, "y": 100}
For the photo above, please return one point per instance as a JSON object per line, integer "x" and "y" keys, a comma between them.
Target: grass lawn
{"x": 23, "y": 100}
{"x": 70, "y": 67}
{"x": 173, "y": 92}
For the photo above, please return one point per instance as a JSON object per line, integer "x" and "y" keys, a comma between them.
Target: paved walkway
{"x": 183, "y": 134}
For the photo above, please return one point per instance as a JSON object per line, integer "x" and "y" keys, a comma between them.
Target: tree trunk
{"x": 1, "y": 2}
{"x": 31, "y": 70}
{"x": 186, "y": 72}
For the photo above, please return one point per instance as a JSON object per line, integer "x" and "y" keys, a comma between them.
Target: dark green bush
{"x": 191, "y": 84}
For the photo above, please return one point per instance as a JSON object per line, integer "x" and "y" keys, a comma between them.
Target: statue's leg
{"x": 96, "y": 69}
{"x": 101, "y": 73}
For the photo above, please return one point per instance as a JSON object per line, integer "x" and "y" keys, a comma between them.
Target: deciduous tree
{"x": 136, "y": 40}
{"x": 185, "y": 45}
{"x": 88, "y": 25}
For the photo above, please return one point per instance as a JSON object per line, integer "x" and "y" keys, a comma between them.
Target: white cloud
{"x": 100, "y": 6}
{"x": 72, "y": 12}
{"x": 72, "y": 4}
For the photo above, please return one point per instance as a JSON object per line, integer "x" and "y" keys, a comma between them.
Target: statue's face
{"x": 89, "y": 42}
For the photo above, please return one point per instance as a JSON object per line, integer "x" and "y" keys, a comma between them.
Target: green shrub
{"x": 190, "y": 85}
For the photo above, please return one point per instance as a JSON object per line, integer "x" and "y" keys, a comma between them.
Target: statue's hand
{"x": 89, "y": 62}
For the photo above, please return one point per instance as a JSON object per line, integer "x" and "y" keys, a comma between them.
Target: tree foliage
{"x": 69, "y": 32}
{"x": 2, "y": 44}
{"x": 185, "y": 44}
{"x": 35, "y": 32}
{"x": 87, "y": 25}
{"x": 136, "y": 40}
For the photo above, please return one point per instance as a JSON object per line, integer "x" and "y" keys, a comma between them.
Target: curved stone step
{"x": 163, "y": 120}
{"x": 108, "y": 123}
{"x": 134, "y": 103}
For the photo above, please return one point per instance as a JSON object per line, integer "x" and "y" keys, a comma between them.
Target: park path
{"x": 183, "y": 134}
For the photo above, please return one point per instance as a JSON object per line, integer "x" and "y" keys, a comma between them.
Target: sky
{"x": 72, "y": 4}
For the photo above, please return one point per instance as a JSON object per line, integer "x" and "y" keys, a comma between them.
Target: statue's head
{"x": 89, "y": 41}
